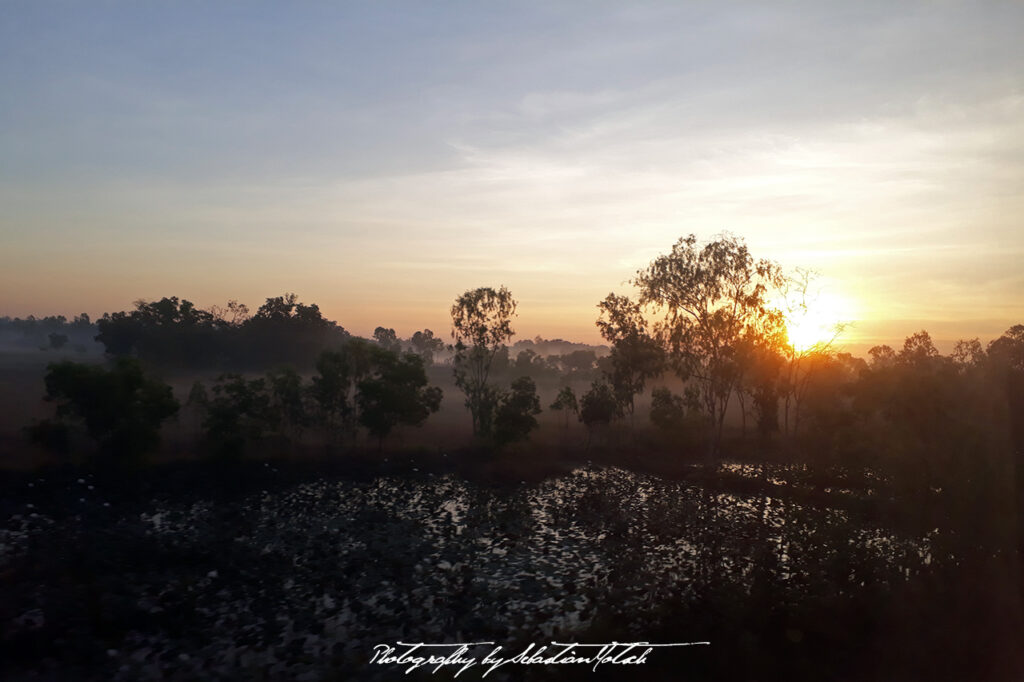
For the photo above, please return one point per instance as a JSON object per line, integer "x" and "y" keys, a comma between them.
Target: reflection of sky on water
{"x": 439, "y": 559}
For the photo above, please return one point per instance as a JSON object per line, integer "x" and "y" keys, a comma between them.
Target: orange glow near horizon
{"x": 819, "y": 321}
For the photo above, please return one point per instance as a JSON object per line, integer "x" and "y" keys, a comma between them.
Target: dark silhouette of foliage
{"x": 881, "y": 356}
{"x": 636, "y": 356}
{"x": 670, "y": 412}
{"x": 529, "y": 363}
{"x": 578, "y": 362}
{"x": 40, "y": 332}
{"x": 481, "y": 326}
{"x": 968, "y": 354}
{"x": 120, "y": 407}
{"x": 395, "y": 393}
{"x": 238, "y": 412}
{"x": 599, "y": 405}
{"x": 906, "y": 414}
{"x": 1008, "y": 349}
{"x": 426, "y": 345}
{"x": 387, "y": 339}
{"x": 169, "y": 332}
{"x": 525, "y": 360}
{"x": 173, "y": 332}
{"x": 335, "y": 386}
{"x": 709, "y": 297}
{"x": 761, "y": 359}
{"x": 290, "y": 401}
{"x": 234, "y": 314}
{"x": 918, "y": 349}
{"x": 362, "y": 383}
{"x": 515, "y": 416}
{"x": 566, "y": 402}
{"x": 286, "y": 331}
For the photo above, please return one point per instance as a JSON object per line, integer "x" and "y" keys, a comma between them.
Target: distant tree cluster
{"x": 48, "y": 333}
{"x": 120, "y": 408}
{"x": 703, "y": 314}
{"x": 932, "y": 421}
{"x": 173, "y": 332}
{"x": 358, "y": 384}
{"x": 702, "y": 320}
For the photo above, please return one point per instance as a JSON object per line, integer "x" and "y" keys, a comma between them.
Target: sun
{"x": 817, "y": 321}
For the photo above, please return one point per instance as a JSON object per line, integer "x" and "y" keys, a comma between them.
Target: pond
{"x": 305, "y": 581}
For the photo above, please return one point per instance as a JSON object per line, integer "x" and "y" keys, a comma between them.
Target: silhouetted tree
{"x": 237, "y": 413}
{"x": 525, "y": 360}
{"x": 334, "y": 387}
{"x": 121, "y": 408}
{"x": 566, "y": 401}
{"x": 286, "y": 331}
{"x": 426, "y": 345}
{"x": 763, "y": 387}
{"x": 395, "y": 393}
{"x": 1008, "y": 349}
{"x": 578, "y": 361}
{"x": 918, "y": 349}
{"x": 636, "y": 356}
{"x": 708, "y": 296}
{"x": 881, "y": 356}
{"x": 233, "y": 315}
{"x": 290, "y": 406}
{"x": 515, "y": 417}
{"x": 387, "y": 339}
{"x": 837, "y": 435}
{"x": 911, "y": 404}
{"x": 968, "y": 354}
{"x": 171, "y": 332}
{"x": 167, "y": 332}
{"x": 759, "y": 358}
{"x": 481, "y": 325}
{"x": 1006, "y": 361}
{"x": 599, "y": 405}
{"x": 34, "y": 332}
{"x": 669, "y": 411}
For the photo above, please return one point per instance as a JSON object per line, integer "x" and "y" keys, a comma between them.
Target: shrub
{"x": 120, "y": 408}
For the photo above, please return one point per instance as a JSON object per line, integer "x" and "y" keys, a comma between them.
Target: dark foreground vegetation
{"x": 811, "y": 514}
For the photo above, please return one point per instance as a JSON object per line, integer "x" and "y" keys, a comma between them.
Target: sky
{"x": 381, "y": 158}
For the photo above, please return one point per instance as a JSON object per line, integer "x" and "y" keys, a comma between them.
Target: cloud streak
{"x": 555, "y": 149}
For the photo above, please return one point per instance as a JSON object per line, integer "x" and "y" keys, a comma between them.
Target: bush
{"x": 239, "y": 412}
{"x": 514, "y": 418}
{"x": 599, "y": 405}
{"x": 120, "y": 408}
{"x": 395, "y": 393}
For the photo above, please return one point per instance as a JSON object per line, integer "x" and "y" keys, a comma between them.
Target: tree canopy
{"x": 481, "y": 325}
{"x": 709, "y": 298}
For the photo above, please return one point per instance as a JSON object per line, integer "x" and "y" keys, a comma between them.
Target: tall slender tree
{"x": 481, "y": 326}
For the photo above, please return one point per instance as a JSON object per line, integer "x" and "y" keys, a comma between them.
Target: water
{"x": 283, "y": 582}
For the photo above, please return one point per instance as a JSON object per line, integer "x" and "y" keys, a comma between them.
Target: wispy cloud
{"x": 555, "y": 148}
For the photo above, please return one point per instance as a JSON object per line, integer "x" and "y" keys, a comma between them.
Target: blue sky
{"x": 381, "y": 158}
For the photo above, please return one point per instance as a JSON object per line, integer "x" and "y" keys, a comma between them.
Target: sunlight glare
{"x": 818, "y": 322}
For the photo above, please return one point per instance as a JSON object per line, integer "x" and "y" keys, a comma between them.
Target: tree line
{"x": 702, "y": 313}
{"x": 53, "y": 332}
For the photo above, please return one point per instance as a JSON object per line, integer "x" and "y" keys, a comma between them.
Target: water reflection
{"x": 337, "y": 566}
